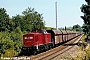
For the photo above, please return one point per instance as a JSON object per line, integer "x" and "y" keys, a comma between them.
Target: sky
{"x": 68, "y": 11}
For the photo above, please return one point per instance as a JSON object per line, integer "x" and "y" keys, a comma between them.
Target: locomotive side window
{"x": 45, "y": 31}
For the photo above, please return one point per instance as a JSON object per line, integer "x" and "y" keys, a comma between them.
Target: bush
{"x": 10, "y": 43}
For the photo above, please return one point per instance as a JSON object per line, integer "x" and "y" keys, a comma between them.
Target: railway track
{"x": 67, "y": 48}
{"x": 51, "y": 54}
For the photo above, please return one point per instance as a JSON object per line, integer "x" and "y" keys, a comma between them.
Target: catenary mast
{"x": 56, "y": 13}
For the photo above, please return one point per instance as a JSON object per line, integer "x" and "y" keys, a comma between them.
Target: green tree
{"x": 16, "y": 21}
{"x": 4, "y": 20}
{"x": 85, "y": 8}
{"x": 32, "y": 19}
{"x": 77, "y": 28}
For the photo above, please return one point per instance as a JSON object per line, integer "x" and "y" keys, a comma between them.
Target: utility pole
{"x": 56, "y": 13}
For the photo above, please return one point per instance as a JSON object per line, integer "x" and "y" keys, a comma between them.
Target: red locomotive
{"x": 39, "y": 41}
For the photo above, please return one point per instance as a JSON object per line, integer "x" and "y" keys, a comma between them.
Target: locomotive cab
{"x": 34, "y": 41}
{"x": 28, "y": 40}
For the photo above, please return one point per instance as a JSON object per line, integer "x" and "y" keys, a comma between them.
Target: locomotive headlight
{"x": 31, "y": 37}
{"x": 25, "y": 38}
{"x": 28, "y": 37}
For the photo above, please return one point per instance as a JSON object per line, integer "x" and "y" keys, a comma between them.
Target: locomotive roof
{"x": 35, "y": 33}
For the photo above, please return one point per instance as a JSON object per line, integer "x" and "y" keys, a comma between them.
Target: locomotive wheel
{"x": 35, "y": 52}
{"x": 51, "y": 47}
